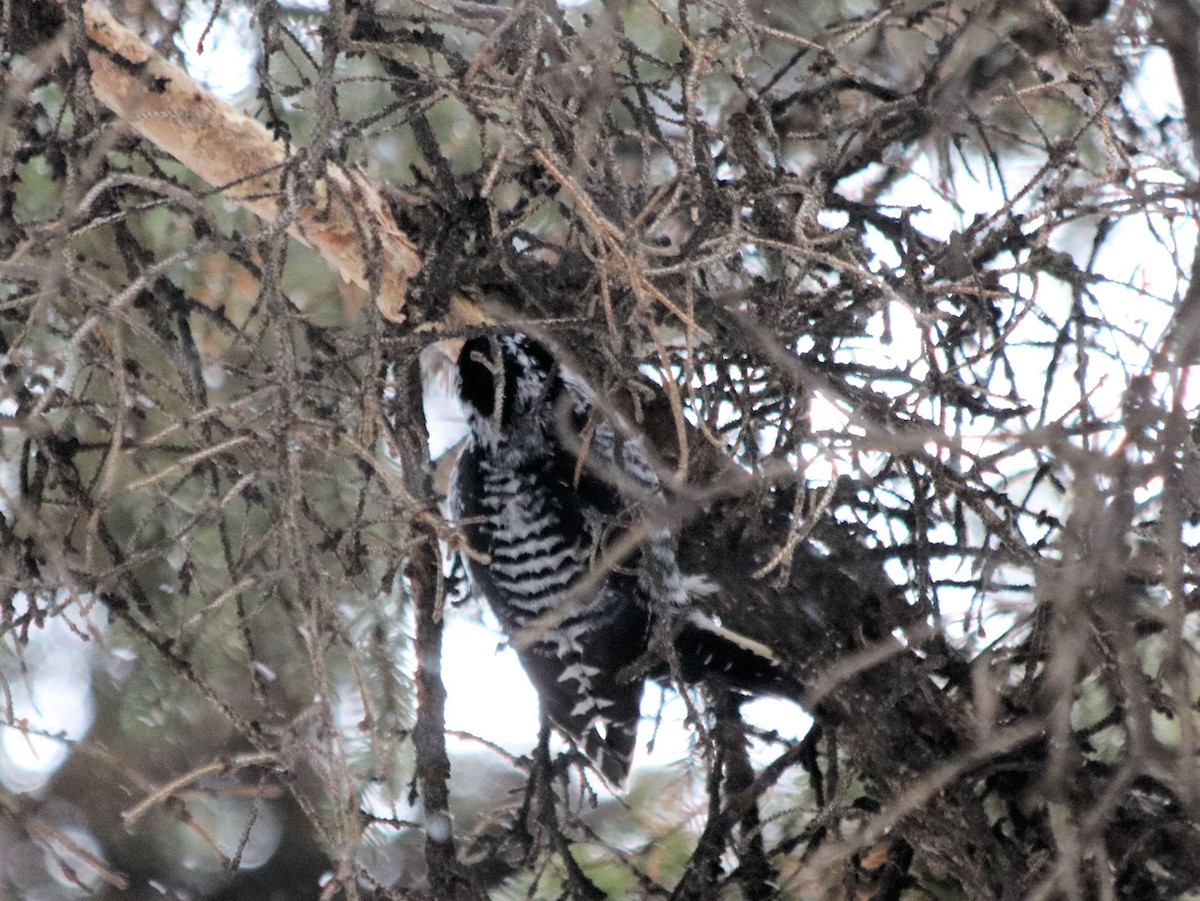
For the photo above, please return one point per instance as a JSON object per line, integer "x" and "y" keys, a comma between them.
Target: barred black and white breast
{"x": 539, "y": 493}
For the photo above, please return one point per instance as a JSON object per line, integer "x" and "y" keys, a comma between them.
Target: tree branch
{"x": 338, "y": 213}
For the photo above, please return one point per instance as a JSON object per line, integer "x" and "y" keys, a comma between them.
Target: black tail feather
{"x": 613, "y": 753}
{"x": 708, "y": 652}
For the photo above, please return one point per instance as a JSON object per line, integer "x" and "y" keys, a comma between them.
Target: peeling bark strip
{"x": 340, "y": 215}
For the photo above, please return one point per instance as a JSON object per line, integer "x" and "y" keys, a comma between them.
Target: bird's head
{"x": 509, "y": 385}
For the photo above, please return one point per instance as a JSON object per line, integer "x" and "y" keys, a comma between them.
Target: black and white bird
{"x": 543, "y": 491}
